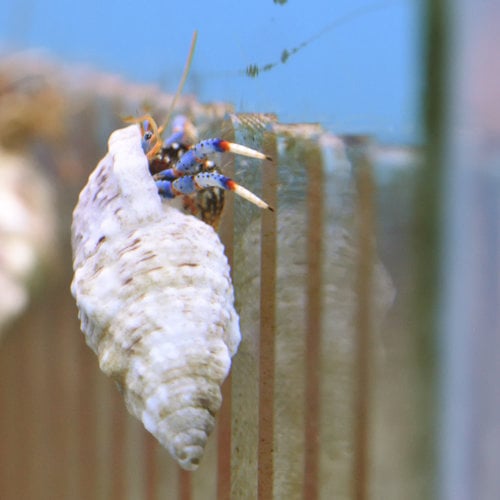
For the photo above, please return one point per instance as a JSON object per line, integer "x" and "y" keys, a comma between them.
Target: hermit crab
{"x": 180, "y": 168}
{"x": 152, "y": 283}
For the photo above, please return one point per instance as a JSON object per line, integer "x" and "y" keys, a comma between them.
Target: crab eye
{"x": 145, "y": 142}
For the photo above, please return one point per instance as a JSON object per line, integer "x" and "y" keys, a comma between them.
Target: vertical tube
{"x": 150, "y": 465}
{"x": 267, "y": 325}
{"x": 224, "y": 425}
{"x": 364, "y": 280}
{"x": 185, "y": 487}
{"x": 470, "y": 349}
{"x": 119, "y": 434}
{"x": 315, "y": 207}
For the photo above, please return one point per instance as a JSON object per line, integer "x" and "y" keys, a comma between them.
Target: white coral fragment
{"x": 155, "y": 298}
{"x": 27, "y": 230}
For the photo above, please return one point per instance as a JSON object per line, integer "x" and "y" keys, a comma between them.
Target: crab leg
{"x": 188, "y": 163}
{"x": 181, "y": 127}
{"x": 202, "y": 180}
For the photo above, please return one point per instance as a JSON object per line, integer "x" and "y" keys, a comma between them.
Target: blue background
{"x": 362, "y": 73}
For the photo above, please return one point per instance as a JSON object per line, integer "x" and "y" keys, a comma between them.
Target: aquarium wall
{"x": 364, "y": 273}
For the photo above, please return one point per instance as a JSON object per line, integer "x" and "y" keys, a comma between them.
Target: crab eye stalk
{"x": 146, "y": 141}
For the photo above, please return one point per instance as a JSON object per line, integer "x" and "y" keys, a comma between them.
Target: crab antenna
{"x": 185, "y": 73}
{"x": 147, "y": 122}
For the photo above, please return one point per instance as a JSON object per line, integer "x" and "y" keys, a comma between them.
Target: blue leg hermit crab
{"x": 182, "y": 169}
{"x": 152, "y": 283}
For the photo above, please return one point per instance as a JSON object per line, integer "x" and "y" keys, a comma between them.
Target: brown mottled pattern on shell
{"x": 155, "y": 298}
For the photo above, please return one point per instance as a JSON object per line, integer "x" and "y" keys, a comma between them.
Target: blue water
{"x": 361, "y": 74}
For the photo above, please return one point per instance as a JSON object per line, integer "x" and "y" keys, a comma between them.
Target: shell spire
{"x": 155, "y": 299}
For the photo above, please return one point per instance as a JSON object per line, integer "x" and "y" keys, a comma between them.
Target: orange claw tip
{"x": 225, "y": 145}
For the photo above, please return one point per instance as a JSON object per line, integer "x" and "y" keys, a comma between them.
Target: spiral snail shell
{"x": 155, "y": 299}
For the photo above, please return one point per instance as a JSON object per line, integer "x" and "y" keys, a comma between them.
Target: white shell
{"x": 155, "y": 298}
